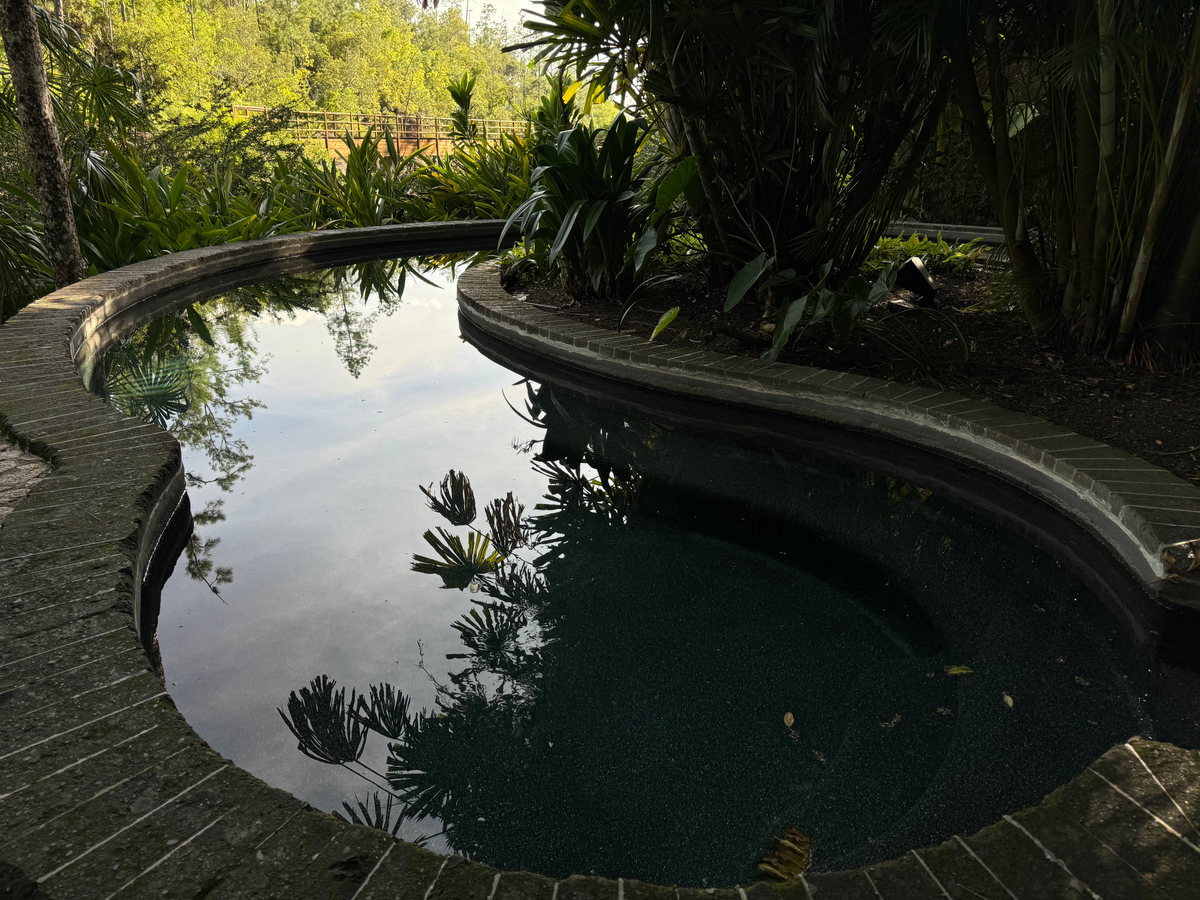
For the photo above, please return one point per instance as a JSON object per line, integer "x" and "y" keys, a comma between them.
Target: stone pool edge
{"x": 1143, "y": 513}
{"x": 106, "y": 791}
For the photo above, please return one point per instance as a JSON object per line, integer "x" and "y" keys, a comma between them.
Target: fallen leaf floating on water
{"x": 789, "y": 720}
{"x": 959, "y": 670}
{"x": 1008, "y": 701}
{"x": 788, "y": 857}
{"x": 891, "y": 724}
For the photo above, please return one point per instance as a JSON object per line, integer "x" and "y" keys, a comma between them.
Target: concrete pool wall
{"x": 105, "y": 791}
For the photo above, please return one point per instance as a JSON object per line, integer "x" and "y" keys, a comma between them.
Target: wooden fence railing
{"x": 411, "y": 131}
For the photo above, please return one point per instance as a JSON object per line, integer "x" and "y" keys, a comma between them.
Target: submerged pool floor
{"x": 687, "y": 644}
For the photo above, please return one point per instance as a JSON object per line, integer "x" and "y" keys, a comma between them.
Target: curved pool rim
{"x": 1136, "y": 511}
{"x": 87, "y": 719}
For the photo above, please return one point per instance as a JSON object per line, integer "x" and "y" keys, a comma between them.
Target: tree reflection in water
{"x": 608, "y": 715}
{"x": 185, "y": 372}
{"x": 689, "y": 644}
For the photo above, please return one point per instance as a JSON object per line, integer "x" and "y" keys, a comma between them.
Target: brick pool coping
{"x": 1143, "y": 514}
{"x": 105, "y": 791}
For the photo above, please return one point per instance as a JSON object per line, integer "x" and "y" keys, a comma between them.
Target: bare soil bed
{"x": 960, "y": 345}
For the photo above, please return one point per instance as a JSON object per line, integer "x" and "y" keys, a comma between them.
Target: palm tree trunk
{"x": 1176, "y": 318}
{"x": 59, "y": 11}
{"x": 1106, "y": 129}
{"x": 1087, "y": 173}
{"x": 1141, "y": 268}
{"x": 992, "y": 154}
{"x": 707, "y": 178}
{"x": 27, "y": 69}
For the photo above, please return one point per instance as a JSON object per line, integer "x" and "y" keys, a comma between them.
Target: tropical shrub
{"x": 806, "y": 125}
{"x": 596, "y": 214}
{"x": 1078, "y": 115}
{"x": 371, "y": 191}
{"x": 480, "y": 179}
{"x": 937, "y": 254}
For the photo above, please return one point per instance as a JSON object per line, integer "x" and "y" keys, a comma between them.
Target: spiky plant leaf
{"x": 456, "y": 500}
{"x": 326, "y": 729}
{"x": 387, "y": 711}
{"x": 509, "y": 530}
{"x": 459, "y": 565}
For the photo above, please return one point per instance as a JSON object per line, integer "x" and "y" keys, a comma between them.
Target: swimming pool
{"x": 703, "y": 637}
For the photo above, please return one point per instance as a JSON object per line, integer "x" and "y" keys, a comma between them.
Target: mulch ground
{"x": 960, "y": 345}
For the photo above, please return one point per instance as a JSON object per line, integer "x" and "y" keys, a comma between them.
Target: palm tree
{"x": 27, "y": 70}
{"x": 805, "y": 121}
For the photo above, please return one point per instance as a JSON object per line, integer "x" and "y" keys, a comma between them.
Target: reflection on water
{"x": 183, "y": 371}
{"x": 674, "y": 656}
{"x": 663, "y": 649}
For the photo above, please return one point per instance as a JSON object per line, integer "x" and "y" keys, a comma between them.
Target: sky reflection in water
{"x": 319, "y": 531}
{"x": 642, "y": 733}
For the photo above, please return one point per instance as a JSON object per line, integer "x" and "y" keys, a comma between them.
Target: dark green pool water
{"x": 689, "y": 642}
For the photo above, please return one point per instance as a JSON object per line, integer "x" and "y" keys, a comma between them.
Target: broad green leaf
{"x": 673, "y": 185}
{"x": 593, "y": 217}
{"x": 645, "y": 245}
{"x": 783, "y": 330}
{"x": 959, "y": 670}
{"x": 564, "y": 230}
{"x": 745, "y": 279}
{"x": 664, "y": 320}
{"x": 177, "y": 187}
{"x": 199, "y": 326}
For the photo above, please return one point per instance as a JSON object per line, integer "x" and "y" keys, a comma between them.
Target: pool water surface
{"x": 600, "y": 643}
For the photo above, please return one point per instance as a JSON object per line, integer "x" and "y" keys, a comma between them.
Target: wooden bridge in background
{"x": 410, "y": 133}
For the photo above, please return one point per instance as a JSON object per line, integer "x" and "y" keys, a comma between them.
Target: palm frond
{"x": 325, "y": 727}
{"x": 459, "y": 565}
{"x": 456, "y": 502}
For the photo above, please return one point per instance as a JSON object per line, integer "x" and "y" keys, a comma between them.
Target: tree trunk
{"x": 1087, "y": 174}
{"x": 1106, "y": 138}
{"x": 27, "y": 69}
{"x": 59, "y": 12}
{"x": 699, "y": 150}
{"x": 1141, "y": 268}
{"x": 1176, "y": 318}
{"x": 1064, "y": 232}
{"x": 992, "y": 154}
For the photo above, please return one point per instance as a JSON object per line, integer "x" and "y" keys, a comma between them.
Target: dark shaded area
{"x": 627, "y": 675}
{"x": 1147, "y": 412}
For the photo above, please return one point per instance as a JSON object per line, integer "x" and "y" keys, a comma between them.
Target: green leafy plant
{"x": 480, "y": 179}
{"x": 937, "y": 254}
{"x": 596, "y": 214}
{"x": 380, "y": 817}
{"x": 459, "y": 564}
{"x": 804, "y": 304}
{"x": 461, "y": 92}
{"x": 456, "y": 500}
{"x": 325, "y": 727}
{"x": 386, "y": 712}
{"x": 371, "y": 191}
{"x": 806, "y": 122}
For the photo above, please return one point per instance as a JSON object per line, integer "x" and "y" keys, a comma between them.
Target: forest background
{"x": 365, "y": 56}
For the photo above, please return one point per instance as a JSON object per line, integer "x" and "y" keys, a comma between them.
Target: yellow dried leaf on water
{"x": 1008, "y": 701}
{"x": 959, "y": 670}
{"x": 789, "y": 720}
{"x": 787, "y": 857}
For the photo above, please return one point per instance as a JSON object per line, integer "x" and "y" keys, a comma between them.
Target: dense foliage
{"x": 1077, "y": 112}
{"x": 367, "y": 56}
{"x": 772, "y": 144}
